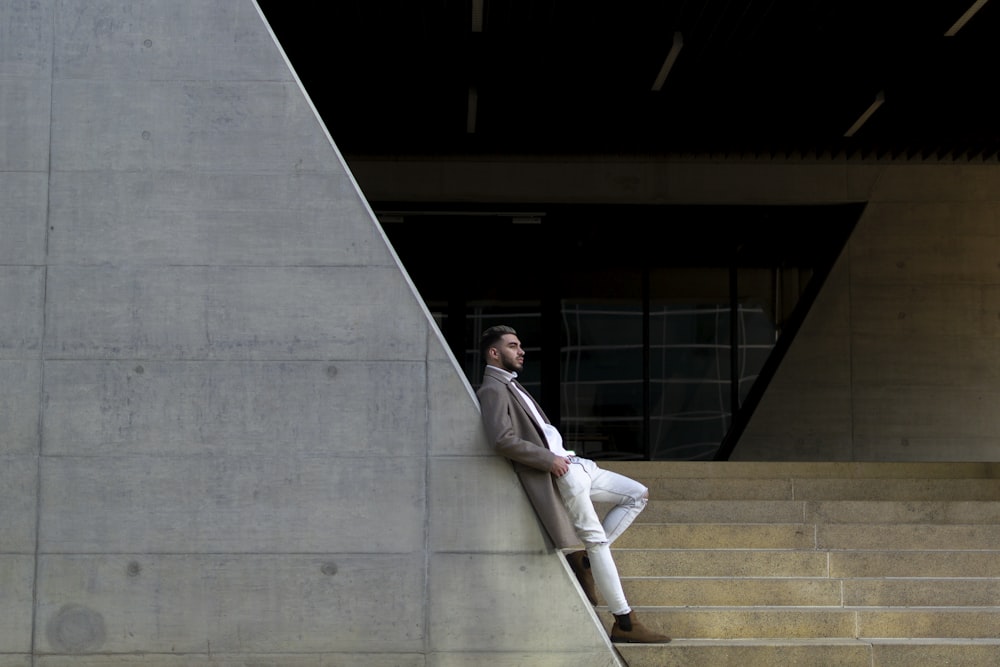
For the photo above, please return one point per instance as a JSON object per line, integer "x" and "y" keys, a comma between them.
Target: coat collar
{"x": 496, "y": 374}
{"x": 493, "y": 373}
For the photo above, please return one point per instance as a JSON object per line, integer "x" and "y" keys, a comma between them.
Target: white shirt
{"x": 552, "y": 435}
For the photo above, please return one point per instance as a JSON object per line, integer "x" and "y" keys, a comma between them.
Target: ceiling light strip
{"x": 675, "y": 51}
{"x": 964, "y": 18}
{"x": 470, "y": 118}
{"x": 477, "y": 15}
{"x": 879, "y": 99}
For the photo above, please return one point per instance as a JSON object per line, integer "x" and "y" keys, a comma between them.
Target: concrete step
{"x": 875, "y": 537}
{"x": 709, "y": 562}
{"x": 811, "y": 592}
{"x": 650, "y": 471}
{"x": 868, "y": 564}
{"x": 725, "y": 488}
{"x": 822, "y": 622}
{"x": 821, "y": 511}
{"x": 684, "y": 480}
{"x": 813, "y": 653}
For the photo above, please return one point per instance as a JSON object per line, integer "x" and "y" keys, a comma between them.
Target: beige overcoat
{"x": 515, "y": 435}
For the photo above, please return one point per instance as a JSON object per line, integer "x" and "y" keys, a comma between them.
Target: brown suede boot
{"x": 628, "y": 630}
{"x": 580, "y": 564}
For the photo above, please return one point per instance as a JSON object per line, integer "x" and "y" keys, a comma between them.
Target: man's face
{"x": 509, "y": 355}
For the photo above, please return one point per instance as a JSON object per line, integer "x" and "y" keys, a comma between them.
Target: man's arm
{"x": 496, "y": 406}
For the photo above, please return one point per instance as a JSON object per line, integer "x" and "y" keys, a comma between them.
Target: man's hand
{"x": 560, "y": 466}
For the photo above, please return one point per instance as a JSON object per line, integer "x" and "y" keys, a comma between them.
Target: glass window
{"x": 602, "y": 379}
{"x": 526, "y": 319}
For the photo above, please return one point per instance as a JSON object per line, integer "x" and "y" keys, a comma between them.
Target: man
{"x": 561, "y": 486}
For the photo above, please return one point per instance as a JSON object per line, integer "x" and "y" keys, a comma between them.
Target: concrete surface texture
{"x": 898, "y": 359}
{"x": 229, "y": 429}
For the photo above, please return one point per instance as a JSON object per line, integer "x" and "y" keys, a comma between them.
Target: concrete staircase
{"x": 873, "y": 564}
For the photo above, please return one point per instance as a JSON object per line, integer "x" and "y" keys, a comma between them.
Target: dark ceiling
{"x": 561, "y": 77}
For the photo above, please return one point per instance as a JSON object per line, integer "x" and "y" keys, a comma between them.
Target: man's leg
{"x": 579, "y": 562}
{"x": 574, "y": 487}
{"x": 629, "y": 498}
{"x": 584, "y": 483}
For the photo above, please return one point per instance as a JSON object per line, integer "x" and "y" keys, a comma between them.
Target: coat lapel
{"x": 519, "y": 398}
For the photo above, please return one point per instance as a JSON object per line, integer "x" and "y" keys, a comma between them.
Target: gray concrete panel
{"x": 26, "y": 40}
{"x": 203, "y": 126}
{"x": 24, "y": 124}
{"x": 514, "y": 658}
{"x": 229, "y": 604}
{"x": 233, "y": 313}
{"x": 907, "y": 218}
{"x": 22, "y": 293}
{"x": 724, "y": 182}
{"x": 918, "y": 448}
{"x": 485, "y": 602}
{"x": 325, "y": 659}
{"x": 450, "y": 403}
{"x": 862, "y": 179}
{"x": 19, "y": 406}
{"x": 823, "y": 410}
{"x": 980, "y": 218}
{"x": 813, "y": 446}
{"x": 906, "y": 360}
{"x": 18, "y": 505}
{"x": 151, "y": 39}
{"x": 22, "y": 225}
{"x": 316, "y": 219}
{"x": 232, "y": 504}
{"x": 437, "y": 347}
{"x": 937, "y": 183}
{"x": 989, "y": 315}
{"x": 15, "y": 660}
{"x": 189, "y": 408}
{"x": 812, "y": 351}
{"x": 470, "y": 498}
{"x": 922, "y": 411}
{"x": 17, "y": 574}
{"x": 941, "y": 258}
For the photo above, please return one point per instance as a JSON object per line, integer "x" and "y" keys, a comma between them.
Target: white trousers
{"x": 584, "y": 484}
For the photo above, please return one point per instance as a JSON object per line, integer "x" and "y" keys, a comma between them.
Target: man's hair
{"x": 492, "y": 336}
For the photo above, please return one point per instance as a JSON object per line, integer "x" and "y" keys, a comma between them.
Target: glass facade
{"x": 605, "y": 384}
{"x": 691, "y": 390}
{"x": 602, "y": 379}
{"x": 647, "y": 330}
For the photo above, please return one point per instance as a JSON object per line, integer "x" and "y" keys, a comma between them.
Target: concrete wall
{"x": 899, "y": 359}
{"x": 229, "y": 430}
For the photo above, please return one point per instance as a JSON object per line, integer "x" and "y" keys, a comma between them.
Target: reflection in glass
{"x": 690, "y": 378}
{"x": 602, "y": 380}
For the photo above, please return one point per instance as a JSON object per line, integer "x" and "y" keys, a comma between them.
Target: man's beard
{"x": 510, "y": 367}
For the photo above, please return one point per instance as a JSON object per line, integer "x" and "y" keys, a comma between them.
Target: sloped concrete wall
{"x": 229, "y": 430}
{"x": 899, "y": 361}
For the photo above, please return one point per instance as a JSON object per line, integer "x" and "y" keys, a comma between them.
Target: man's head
{"x": 501, "y": 348}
